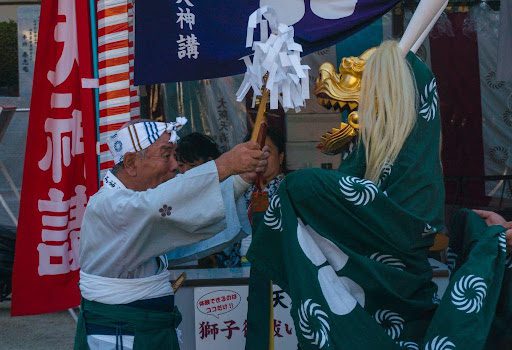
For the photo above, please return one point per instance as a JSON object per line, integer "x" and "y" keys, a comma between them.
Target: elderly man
{"x": 141, "y": 212}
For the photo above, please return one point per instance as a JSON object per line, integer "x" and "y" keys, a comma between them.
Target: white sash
{"x": 108, "y": 290}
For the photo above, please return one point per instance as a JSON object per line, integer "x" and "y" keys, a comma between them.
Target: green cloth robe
{"x": 153, "y": 329}
{"x": 353, "y": 255}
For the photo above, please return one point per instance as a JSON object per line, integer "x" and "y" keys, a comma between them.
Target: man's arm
{"x": 179, "y": 212}
{"x": 244, "y": 158}
{"x": 240, "y": 185}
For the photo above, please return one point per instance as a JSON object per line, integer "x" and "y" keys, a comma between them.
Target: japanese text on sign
{"x": 188, "y": 43}
{"x": 219, "y": 326}
{"x": 218, "y": 302}
{"x": 61, "y": 213}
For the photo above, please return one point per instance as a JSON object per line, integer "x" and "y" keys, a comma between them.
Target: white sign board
{"x": 28, "y": 28}
{"x": 221, "y": 318}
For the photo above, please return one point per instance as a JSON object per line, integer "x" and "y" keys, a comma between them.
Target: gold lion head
{"x": 341, "y": 91}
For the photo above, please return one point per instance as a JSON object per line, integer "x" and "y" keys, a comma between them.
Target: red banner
{"x": 60, "y": 171}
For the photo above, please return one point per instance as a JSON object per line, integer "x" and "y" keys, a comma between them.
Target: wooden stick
{"x": 179, "y": 281}
{"x": 260, "y": 117}
{"x": 271, "y": 323}
{"x": 259, "y": 199}
{"x": 425, "y": 33}
{"x": 420, "y": 22}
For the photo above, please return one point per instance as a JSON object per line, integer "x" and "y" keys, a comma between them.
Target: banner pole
{"x": 94, "y": 47}
{"x": 73, "y": 314}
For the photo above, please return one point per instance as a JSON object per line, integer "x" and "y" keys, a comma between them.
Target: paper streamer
{"x": 277, "y": 55}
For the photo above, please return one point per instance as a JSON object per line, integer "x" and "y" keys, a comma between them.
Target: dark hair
{"x": 196, "y": 146}
{"x": 276, "y": 137}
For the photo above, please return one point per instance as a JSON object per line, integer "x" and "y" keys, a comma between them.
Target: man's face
{"x": 158, "y": 164}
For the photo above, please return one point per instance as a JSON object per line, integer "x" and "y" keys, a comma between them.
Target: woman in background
{"x": 270, "y": 179}
{"x": 275, "y": 170}
{"x": 195, "y": 149}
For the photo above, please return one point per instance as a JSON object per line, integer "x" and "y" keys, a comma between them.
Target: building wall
{"x": 8, "y": 8}
{"x": 8, "y": 12}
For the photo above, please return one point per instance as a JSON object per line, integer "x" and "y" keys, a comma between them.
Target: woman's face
{"x": 275, "y": 160}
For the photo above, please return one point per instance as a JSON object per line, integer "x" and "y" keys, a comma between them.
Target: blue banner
{"x": 179, "y": 40}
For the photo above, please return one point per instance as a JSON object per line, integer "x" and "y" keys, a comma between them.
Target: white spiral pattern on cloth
{"x": 391, "y": 321}
{"x": 388, "y": 260}
{"x": 272, "y": 216}
{"x": 508, "y": 262}
{"x": 439, "y": 343}
{"x": 468, "y": 293}
{"x": 502, "y": 239}
{"x": 451, "y": 259}
{"x": 358, "y": 191}
{"x": 428, "y": 108}
{"x": 308, "y": 311}
{"x": 408, "y": 345}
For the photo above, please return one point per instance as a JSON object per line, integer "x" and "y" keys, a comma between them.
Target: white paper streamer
{"x": 278, "y": 55}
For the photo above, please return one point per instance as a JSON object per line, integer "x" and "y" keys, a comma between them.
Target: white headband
{"x": 139, "y": 136}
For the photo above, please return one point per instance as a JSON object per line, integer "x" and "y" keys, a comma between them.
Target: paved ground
{"x": 43, "y": 332}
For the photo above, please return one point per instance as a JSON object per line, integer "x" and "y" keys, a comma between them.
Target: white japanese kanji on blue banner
{"x": 178, "y": 40}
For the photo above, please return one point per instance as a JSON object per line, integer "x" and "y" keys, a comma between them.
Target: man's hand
{"x": 251, "y": 177}
{"x": 492, "y": 218}
{"x": 508, "y": 236}
{"x": 243, "y": 158}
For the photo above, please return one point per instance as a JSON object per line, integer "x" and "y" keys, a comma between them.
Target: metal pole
{"x": 73, "y": 314}
{"x": 9, "y": 180}
{"x": 94, "y": 46}
{"x": 8, "y": 210}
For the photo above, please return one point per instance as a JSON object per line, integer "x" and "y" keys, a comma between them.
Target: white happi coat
{"x": 125, "y": 233}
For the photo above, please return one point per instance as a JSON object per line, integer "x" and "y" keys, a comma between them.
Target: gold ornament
{"x": 341, "y": 91}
